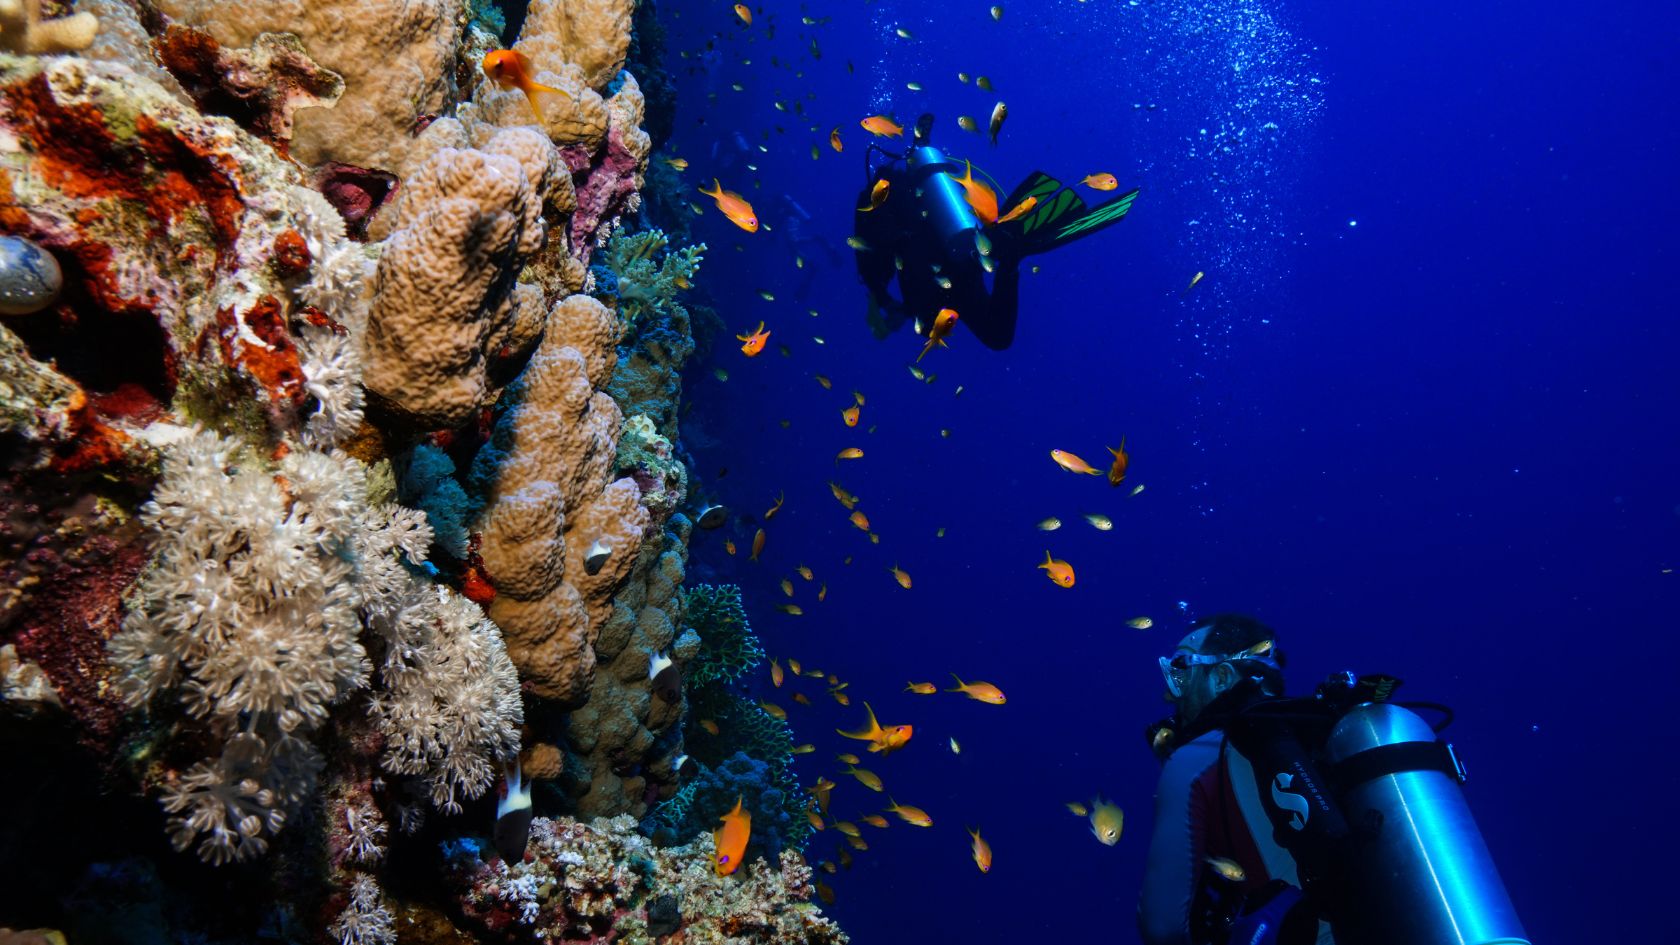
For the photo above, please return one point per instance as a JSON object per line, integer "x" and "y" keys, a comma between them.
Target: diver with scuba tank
{"x": 1335, "y": 818}
{"x": 944, "y": 253}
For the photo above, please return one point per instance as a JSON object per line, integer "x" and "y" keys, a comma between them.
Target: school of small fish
{"x": 511, "y": 70}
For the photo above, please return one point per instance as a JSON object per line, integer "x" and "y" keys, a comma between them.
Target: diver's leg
{"x": 990, "y": 316}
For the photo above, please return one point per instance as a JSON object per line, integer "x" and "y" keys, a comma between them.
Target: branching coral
{"x": 728, "y": 647}
{"x": 646, "y": 288}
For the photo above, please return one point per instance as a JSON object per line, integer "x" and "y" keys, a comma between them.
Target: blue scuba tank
{"x": 947, "y": 208}
{"x": 1417, "y": 870}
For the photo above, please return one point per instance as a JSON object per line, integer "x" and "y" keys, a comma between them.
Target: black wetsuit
{"x": 897, "y": 233}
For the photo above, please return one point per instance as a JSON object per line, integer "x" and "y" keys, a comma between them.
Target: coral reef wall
{"x": 340, "y": 474}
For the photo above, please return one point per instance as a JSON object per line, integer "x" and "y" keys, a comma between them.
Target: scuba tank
{"x": 947, "y": 208}
{"x": 1414, "y": 867}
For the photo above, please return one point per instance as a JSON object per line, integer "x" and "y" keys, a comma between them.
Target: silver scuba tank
{"x": 1419, "y": 872}
{"x": 947, "y": 208}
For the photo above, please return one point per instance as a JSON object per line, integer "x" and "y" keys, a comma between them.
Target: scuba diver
{"x": 928, "y": 235}
{"x": 1335, "y": 818}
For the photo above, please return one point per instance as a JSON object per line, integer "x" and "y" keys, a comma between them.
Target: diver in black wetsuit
{"x": 927, "y": 236}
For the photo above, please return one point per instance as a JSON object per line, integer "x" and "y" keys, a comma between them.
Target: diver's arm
{"x": 1169, "y": 879}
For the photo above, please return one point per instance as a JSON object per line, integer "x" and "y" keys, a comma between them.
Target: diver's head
{"x": 1218, "y": 657}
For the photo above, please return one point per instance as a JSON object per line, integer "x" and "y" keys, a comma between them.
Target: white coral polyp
{"x": 253, "y": 611}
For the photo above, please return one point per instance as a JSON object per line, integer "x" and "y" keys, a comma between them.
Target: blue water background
{"x": 1419, "y": 416}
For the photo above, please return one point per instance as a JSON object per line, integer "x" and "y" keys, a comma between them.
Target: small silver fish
{"x": 1000, "y": 111}
{"x": 1227, "y": 868}
{"x": 1050, "y": 524}
{"x": 1140, "y": 623}
{"x": 1101, "y": 523}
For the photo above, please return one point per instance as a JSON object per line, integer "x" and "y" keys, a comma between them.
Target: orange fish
{"x": 804, "y": 749}
{"x": 815, "y": 819}
{"x": 792, "y": 610}
{"x": 848, "y": 828}
{"x": 820, "y": 791}
{"x": 1059, "y": 571}
{"x": 875, "y": 820}
{"x": 776, "y": 674}
{"x": 731, "y": 838}
{"x": 774, "y": 711}
{"x": 787, "y": 587}
{"x": 1117, "y": 471}
{"x": 758, "y": 545}
{"x": 834, "y": 140}
{"x": 778, "y": 506}
{"x": 884, "y": 740}
{"x": 877, "y": 195}
{"x": 710, "y": 726}
{"x": 979, "y": 196}
{"x": 867, "y": 778}
{"x": 914, "y": 816}
{"x": 847, "y": 757}
{"x": 1073, "y": 464}
{"x": 822, "y": 593}
{"x": 827, "y": 866}
{"x": 982, "y": 852}
{"x": 901, "y": 576}
{"x": 850, "y": 452}
{"x": 825, "y": 892}
{"x": 857, "y": 843}
{"x": 921, "y": 688}
{"x": 846, "y": 498}
{"x": 804, "y": 572}
{"x": 801, "y": 698}
{"x": 1019, "y": 209}
{"x": 942, "y": 325}
{"x": 729, "y": 545}
{"x": 510, "y": 69}
{"x": 744, "y": 13}
{"x": 844, "y": 858}
{"x": 824, "y": 381}
{"x": 882, "y": 126}
{"x": 860, "y": 520}
{"x": 980, "y": 691}
{"x": 734, "y": 206}
{"x": 857, "y": 396}
{"x": 753, "y": 341}
{"x": 850, "y": 415}
{"x": 840, "y": 697}
{"x": 1100, "y": 181}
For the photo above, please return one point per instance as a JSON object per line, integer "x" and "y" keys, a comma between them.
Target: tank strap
{"x": 1398, "y": 758}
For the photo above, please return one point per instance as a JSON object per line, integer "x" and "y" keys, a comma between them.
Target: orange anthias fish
{"x": 731, "y": 839}
{"x": 805, "y": 572}
{"x": 979, "y": 196}
{"x": 850, "y": 452}
{"x": 867, "y": 778}
{"x": 942, "y": 325}
{"x": 860, "y": 520}
{"x": 1117, "y": 471}
{"x": 979, "y": 691}
{"x": 758, "y": 545}
{"x": 883, "y": 126}
{"x": 801, "y": 698}
{"x": 921, "y": 688}
{"x": 1100, "y": 181}
{"x": 877, "y": 195}
{"x": 840, "y": 493}
{"x": 729, "y": 545}
{"x": 1060, "y": 571}
{"x": 875, "y": 820}
{"x": 883, "y": 740}
{"x": 1073, "y": 464}
{"x": 850, "y": 415}
{"x": 753, "y": 341}
{"x": 1019, "y": 209}
{"x": 901, "y": 576}
{"x": 744, "y": 13}
{"x": 510, "y": 69}
{"x": 914, "y": 816}
{"x": 733, "y": 206}
{"x": 982, "y": 852}
{"x": 820, "y": 791}
{"x": 778, "y": 506}
{"x": 773, "y": 710}
{"x": 710, "y": 726}
{"x": 776, "y": 674}
{"x": 834, "y": 140}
